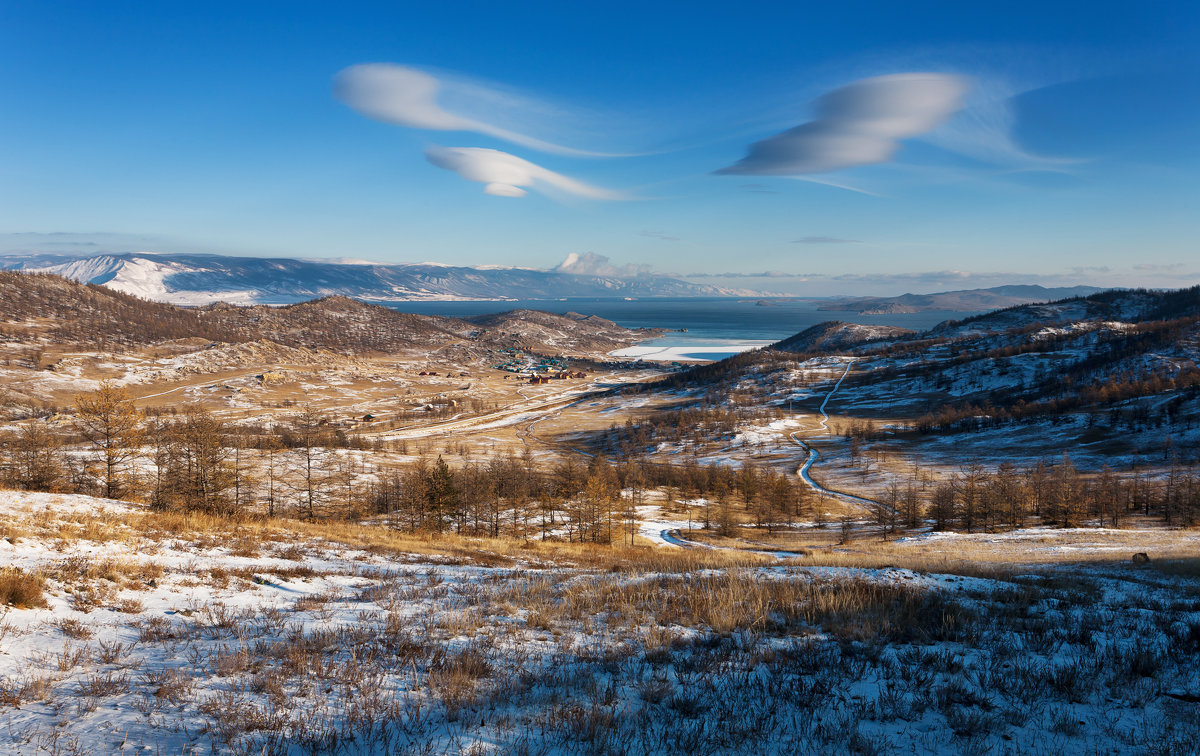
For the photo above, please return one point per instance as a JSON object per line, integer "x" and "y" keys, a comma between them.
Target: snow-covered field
{"x": 167, "y": 634}
{"x": 692, "y": 350}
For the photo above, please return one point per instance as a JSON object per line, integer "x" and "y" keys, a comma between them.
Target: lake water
{"x": 716, "y": 328}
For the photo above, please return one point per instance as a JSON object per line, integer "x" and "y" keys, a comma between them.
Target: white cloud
{"x": 408, "y": 97}
{"x": 506, "y": 174}
{"x": 859, "y": 124}
{"x": 592, "y": 264}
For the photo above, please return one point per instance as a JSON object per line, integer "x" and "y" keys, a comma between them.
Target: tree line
{"x": 305, "y": 467}
{"x": 194, "y": 461}
{"x": 977, "y": 499}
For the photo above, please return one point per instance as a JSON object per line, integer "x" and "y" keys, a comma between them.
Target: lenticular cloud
{"x": 404, "y": 96}
{"x": 505, "y": 174}
{"x": 859, "y": 124}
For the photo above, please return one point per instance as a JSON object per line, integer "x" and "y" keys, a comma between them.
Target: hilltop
{"x": 963, "y": 300}
{"x": 48, "y": 308}
{"x": 835, "y": 334}
{"x": 1111, "y": 379}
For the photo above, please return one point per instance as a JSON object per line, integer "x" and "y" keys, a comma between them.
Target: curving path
{"x": 812, "y": 454}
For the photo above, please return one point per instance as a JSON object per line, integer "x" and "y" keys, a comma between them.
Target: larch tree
{"x": 441, "y": 494}
{"x": 635, "y": 481}
{"x": 308, "y": 434}
{"x": 942, "y": 506}
{"x": 35, "y": 457}
{"x": 202, "y": 474}
{"x": 108, "y": 420}
{"x": 780, "y": 502}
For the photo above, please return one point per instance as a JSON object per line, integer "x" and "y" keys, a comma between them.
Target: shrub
{"x": 20, "y": 589}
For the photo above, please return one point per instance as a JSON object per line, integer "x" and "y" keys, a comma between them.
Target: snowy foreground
{"x": 177, "y": 635}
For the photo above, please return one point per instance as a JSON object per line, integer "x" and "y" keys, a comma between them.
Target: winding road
{"x": 870, "y": 505}
{"x": 510, "y": 415}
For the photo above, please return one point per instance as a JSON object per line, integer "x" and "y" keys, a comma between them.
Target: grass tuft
{"x": 21, "y": 589}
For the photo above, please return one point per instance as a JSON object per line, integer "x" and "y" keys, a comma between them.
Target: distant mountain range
{"x": 192, "y": 279}
{"x": 966, "y": 300}
{"x": 47, "y": 308}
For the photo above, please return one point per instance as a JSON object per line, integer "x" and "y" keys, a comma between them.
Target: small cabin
{"x": 368, "y": 418}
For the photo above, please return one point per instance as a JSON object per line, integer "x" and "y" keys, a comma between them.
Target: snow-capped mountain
{"x": 203, "y": 279}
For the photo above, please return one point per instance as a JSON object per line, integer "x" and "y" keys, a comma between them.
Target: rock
{"x": 1141, "y": 558}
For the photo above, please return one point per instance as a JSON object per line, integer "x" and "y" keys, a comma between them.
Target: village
{"x": 536, "y": 369}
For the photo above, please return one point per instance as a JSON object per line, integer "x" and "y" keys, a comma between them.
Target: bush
{"x": 20, "y": 589}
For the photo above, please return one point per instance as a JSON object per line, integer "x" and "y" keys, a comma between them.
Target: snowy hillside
{"x": 203, "y": 279}
{"x": 1112, "y": 379}
{"x": 126, "y": 630}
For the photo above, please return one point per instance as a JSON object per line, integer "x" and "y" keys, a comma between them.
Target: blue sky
{"x": 868, "y": 147}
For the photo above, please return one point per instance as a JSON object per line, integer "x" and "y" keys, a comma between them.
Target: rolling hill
{"x": 47, "y": 308}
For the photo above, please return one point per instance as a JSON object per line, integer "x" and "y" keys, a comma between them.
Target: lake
{"x": 716, "y": 327}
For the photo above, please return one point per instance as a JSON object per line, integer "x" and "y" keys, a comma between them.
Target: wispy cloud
{"x": 506, "y": 175}
{"x": 764, "y": 274}
{"x": 79, "y": 243}
{"x": 825, "y": 240}
{"x": 859, "y": 124}
{"x": 658, "y": 235}
{"x": 984, "y": 130}
{"x": 837, "y": 185}
{"x": 1142, "y": 274}
{"x": 405, "y": 96}
{"x": 930, "y": 276}
{"x": 758, "y": 189}
{"x": 1153, "y": 268}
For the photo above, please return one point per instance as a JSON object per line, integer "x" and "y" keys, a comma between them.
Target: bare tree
{"x": 307, "y": 432}
{"x": 34, "y": 457}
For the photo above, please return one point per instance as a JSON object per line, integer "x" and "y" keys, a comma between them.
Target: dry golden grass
{"x": 21, "y": 589}
{"x": 143, "y": 529}
{"x": 123, "y": 572}
{"x": 971, "y": 554}
{"x": 15, "y": 692}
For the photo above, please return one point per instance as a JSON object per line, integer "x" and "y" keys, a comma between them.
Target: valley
{"x": 335, "y": 527}
{"x": 508, "y": 379}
